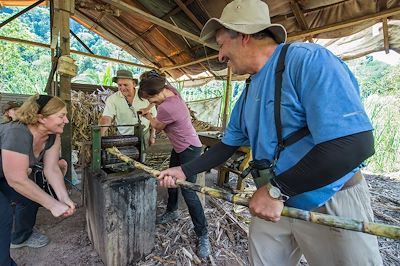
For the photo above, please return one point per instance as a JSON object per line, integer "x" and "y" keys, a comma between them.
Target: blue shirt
{"x": 318, "y": 91}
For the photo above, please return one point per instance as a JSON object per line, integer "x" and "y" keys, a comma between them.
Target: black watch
{"x": 275, "y": 193}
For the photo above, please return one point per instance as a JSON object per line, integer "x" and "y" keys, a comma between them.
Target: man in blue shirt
{"x": 318, "y": 104}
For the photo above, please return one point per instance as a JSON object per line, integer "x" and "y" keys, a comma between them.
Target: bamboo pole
{"x": 385, "y": 230}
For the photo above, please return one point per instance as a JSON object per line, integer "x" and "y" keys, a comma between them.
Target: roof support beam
{"x": 190, "y": 63}
{"x": 169, "y": 14}
{"x": 21, "y": 13}
{"x": 97, "y": 28}
{"x": 47, "y": 46}
{"x": 189, "y": 14}
{"x": 153, "y": 19}
{"x": 351, "y": 22}
{"x": 81, "y": 42}
{"x": 385, "y": 30}
{"x": 228, "y": 96}
{"x": 64, "y": 9}
{"x": 301, "y": 20}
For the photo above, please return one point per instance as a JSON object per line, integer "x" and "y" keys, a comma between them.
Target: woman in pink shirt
{"x": 174, "y": 118}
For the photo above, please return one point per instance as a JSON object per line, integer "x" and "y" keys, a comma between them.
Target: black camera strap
{"x": 282, "y": 142}
{"x": 297, "y": 135}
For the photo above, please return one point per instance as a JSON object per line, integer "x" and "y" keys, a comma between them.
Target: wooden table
{"x": 210, "y": 138}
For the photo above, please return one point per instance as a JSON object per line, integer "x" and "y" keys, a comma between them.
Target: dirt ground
{"x": 70, "y": 244}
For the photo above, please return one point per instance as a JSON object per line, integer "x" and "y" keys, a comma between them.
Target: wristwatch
{"x": 275, "y": 193}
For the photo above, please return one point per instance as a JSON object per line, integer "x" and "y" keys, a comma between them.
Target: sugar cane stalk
{"x": 389, "y": 231}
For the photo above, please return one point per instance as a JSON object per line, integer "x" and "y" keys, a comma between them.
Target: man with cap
{"x": 309, "y": 133}
{"x": 123, "y": 106}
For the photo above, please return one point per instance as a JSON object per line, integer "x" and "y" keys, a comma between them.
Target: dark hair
{"x": 266, "y": 33}
{"x": 151, "y": 83}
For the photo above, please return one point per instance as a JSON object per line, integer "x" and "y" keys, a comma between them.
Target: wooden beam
{"x": 168, "y": 26}
{"x": 20, "y": 13}
{"x": 189, "y": 14}
{"x": 385, "y": 30}
{"x": 95, "y": 27}
{"x": 21, "y": 3}
{"x": 311, "y": 32}
{"x": 166, "y": 16}
{"x": 190, "y": 63}
{"x": 208, "y": 69}
{"x": 228, "y": 93}
{"x": 150, "y": 44}
{"x": 100, "y": 57}
{"x": 64, "y": 8}
{"x": 301, "y": 20}
{"x": 81, "y": 42}
{"x": 341, "y": 25}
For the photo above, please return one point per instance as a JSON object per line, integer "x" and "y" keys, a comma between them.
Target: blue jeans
{"x": 5, "y": 230}
{"x": 192, "y": 200}
{"x": 25, "y": 211}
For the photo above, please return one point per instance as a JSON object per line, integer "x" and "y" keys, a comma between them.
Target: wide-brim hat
{"x": 124, "y": 74}
{"x": 244, "y": 16}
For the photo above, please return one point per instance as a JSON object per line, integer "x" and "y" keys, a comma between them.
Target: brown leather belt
{"x": 354, "y": 180}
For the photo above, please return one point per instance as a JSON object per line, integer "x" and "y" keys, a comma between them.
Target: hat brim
{"x": 209, "y": 31}
{"x": 115, "y": 79}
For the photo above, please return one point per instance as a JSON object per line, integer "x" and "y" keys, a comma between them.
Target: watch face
{"x": 274, "y": 192}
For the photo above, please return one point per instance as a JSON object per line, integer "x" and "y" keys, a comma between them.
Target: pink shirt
{"x": 174, "y": 113}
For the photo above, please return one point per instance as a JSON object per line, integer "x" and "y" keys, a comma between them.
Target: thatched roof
{"x": 164, "y": 34}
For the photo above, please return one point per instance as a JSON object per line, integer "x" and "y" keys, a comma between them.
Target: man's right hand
{"x": 169, "y": 176}
{"x": 144, "y": 111}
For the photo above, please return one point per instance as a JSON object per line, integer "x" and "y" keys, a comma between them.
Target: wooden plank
{"x": 189, "y": 14}
{"x": 121, "y": 215}
{"x": 385, "y": 30}
{"x": 166, "y": 16}
{"x": 153, "y": 19}
{"x": 301, "y": 20}
{"x": 341, "y": 25}
{"x": 20, "y": 13}
{"x": 61, "y": 7}
{"x": 190, "y": 63}
{"x": 23, "y": 3}
{"x": 43, "y": 45}
{"x": 228, "y": 94}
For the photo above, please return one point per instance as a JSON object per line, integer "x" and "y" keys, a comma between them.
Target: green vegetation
{"x": 25, "y": 69}
{"x": 385, "y": 115}
{"x": 380, "y": 91}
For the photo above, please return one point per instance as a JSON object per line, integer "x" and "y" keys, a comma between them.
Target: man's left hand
{"x": 264, "y": 206}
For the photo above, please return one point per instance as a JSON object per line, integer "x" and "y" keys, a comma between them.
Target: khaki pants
{"x": 283, "y": 243}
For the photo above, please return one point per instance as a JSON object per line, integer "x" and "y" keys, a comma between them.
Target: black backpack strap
{"x": 50, "y": 141}
{"x": 296, "y": 136}
{"x": 246, "y": 88}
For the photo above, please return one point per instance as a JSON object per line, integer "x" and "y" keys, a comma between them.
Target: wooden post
{"x": 63, "y": 10}
{"x": 121, "y": 215}
{"x": 228, "y": 93}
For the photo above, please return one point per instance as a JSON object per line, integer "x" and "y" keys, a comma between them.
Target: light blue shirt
{"x": 318, "y": 91}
